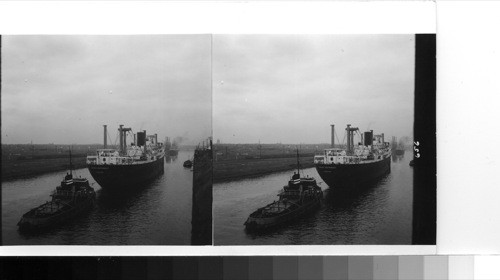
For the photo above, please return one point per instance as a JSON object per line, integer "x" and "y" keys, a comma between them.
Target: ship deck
{"x": 49, "y": 208}
{"x": 279, "y": 206}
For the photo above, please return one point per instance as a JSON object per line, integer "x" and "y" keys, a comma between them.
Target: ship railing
{"x": 350, "y": 159}
{"x": 70, "y": 193}
{"x": 278, "y": 206}
{"x": 119, "y": 160}
{"x": 288, "y": 193}
{"x": 319, "y": 159}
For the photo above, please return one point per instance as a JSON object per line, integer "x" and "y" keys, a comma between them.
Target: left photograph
{"x": 106, "y": 140}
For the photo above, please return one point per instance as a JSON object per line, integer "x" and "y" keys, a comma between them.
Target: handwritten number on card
{"x": 416, "y": 146}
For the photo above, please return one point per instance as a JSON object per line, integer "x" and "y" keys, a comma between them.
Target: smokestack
{"x": 383, "y": 141}
{"x": 145, "y": 140}
{"x": 121, "y": 137}
{"x": 333, "y": 135}
{"x": 105, "y": 136}
{"x": 156, "y": 138}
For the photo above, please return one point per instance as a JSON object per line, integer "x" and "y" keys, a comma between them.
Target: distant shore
{"x": 20, "y": 161}
{"x": 21, "y": 169}
{"x": 237, "y": 169}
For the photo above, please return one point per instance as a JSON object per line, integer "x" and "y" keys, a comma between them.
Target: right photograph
{"x": 324, "y": 139}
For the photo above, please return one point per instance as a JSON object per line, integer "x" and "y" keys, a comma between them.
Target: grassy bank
{"x": 18, "y": 169}
{"x": 246, "y": 168}
{"x": 28, "y": 160}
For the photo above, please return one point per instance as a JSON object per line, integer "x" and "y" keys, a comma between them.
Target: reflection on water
{"x": 396, "y": 158}
{"x": 378, "y": 213}
{"x": 158, "y": 213}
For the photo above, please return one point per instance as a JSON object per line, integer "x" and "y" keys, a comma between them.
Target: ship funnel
{"x": 368, "y": 138}
{"x": 141, "y": 138}
{"x": 105, "y": 136}
{"x": 333, "y": 135}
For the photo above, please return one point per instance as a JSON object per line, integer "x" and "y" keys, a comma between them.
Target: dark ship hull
{"x": 345, "y": 175}
{"x": 264, "y": 223}
{"x": 32, "y": 222}
{"x": 173, "y": 153}
{"x": 121, "y": 176}
{"x": 400, "y": 152}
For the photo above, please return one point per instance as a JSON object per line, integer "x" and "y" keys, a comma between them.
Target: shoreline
{"x": 223, "y": 171}
{"x": 25, "y": 169}
{"x": 235, "y": 170}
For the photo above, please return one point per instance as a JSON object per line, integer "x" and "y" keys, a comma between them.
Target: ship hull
{"x": 173, "y": 153}
{"x": 126, "y": 176}
{"x": 257, "y": 224}
{"x": 30, "y": 222}
{"x": 351, "y": 175}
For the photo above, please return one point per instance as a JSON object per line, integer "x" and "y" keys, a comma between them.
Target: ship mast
{"x": 333, "y": 136}
{"x": 350, "y": 138}
{"x": 70, "y": 164}
{"x": 298, "y": 164}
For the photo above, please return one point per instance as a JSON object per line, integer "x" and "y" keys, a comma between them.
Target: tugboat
{"x": 300, "y": 196}
{"x": 74, "y": 196}
{"x": 348, "y": 167}
{"x": 128, "y": 166}
{"x": 188, "y": 163}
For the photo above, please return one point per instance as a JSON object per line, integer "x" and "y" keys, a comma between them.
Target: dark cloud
{"x": 63, "y": 88}
{"x": 289, "y": 88}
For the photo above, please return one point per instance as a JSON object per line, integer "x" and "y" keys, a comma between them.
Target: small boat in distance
{"x": 174, "y": 150}
{"x": 73, "y": 197}
{"x": 299, "y": 197}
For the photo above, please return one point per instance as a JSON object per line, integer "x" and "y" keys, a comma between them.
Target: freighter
{"x": 355, "y": 164}
{"x": 127, "y": 166}
{"x": 171, "y": 148}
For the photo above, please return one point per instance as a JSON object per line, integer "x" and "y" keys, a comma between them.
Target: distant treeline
{"x": 278, "y": 156}
{"x": 225, "y": 152}
{"x": 13, "y": 152}
{"x": 52, "y": 156}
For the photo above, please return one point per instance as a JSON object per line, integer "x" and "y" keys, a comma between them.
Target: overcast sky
{"x": 290, "y": 88}
{"x": 62, "y": 89}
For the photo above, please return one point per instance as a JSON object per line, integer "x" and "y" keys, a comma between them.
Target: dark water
{"x": 159, "y": 213}
{"x": 380, "y": 214}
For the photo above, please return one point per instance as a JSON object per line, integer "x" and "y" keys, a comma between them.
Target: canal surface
{"x": 381, "y": 214}
{"x": 159, "y": 213}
